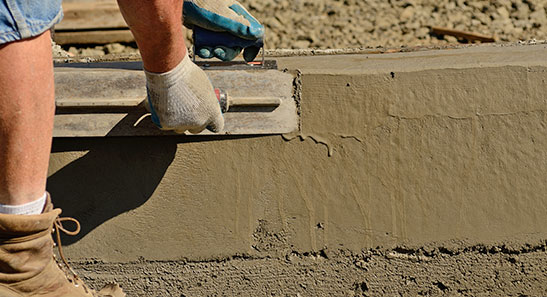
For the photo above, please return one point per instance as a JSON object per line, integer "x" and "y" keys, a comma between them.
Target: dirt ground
{"x": 372, "y": 23}
{"x": 442, "y": 271}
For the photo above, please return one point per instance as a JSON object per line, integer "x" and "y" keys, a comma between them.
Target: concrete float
{"x": 106, "y": 99}
{"x": 427, "y": 167}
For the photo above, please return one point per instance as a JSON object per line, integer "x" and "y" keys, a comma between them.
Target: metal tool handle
{"x": 226, "y": 101}
{"x": 254, "y": 101}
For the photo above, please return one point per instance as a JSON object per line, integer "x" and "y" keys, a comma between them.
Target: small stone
{"x": 475, "y": 23}
{"x": 114, "y": 48}
{"x": 513, "y": 259}
{"x": 58, "y": 52}
{"x": 361, "y": 264}
{"x": 539, "y": 17}
{"x": 523, "y": 11}
{"x": 383, "y": 24}
{"x": 483, "y": 18}
{"x": 451, "y": 39}
{"x": 97, "y": 51}
{"x": 407, "y": 14}
{"x": 503, "y": 13}
{"x": 367, "y": 26}
{"x": 422, "y": 33}
{"x": 505, "y": 3}
{"x": 301, "y": 44}
{"x": 73, "y": 50}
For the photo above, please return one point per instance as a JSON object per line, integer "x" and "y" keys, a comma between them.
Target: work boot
{"x": 28, "y": 266}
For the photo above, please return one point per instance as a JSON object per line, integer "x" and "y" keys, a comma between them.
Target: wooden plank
{"x": 469, "y": 36}
{"x": 94, "y": 37}
{"x": 102, "y": 103}
{"x": 91, "y": 15}
{"x": 122, "y": 85}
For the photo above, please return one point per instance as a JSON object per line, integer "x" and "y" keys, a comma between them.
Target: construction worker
{"x": 180, "y": 95}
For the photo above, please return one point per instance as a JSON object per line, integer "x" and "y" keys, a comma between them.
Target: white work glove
{"x": 183, "y": 99}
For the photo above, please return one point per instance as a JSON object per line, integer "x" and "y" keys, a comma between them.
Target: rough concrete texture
{"x": 473, "y": 271}
{"x": 414, "y": 174}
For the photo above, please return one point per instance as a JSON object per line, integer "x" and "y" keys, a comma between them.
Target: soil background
{"x": 377, "y": 23}
{"x": 371, "y": 23}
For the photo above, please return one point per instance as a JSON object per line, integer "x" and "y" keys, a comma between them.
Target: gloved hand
{"x": 223, "y": 16}
{"x": 183, "y": 99}
{"x": 224, "y": 46}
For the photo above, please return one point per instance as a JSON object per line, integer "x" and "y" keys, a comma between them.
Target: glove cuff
{"x": 167, "y": 79}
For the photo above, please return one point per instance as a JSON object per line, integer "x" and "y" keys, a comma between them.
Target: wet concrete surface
{"x": 403, "y": 180}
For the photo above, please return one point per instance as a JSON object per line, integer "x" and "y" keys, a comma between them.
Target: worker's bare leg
{"x": 26, "y": 118}
{"x": 157, "y": 28}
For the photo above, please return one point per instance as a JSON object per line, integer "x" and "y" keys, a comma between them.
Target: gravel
{"x": 327, "y": 24}
{"x": 112, "y": 48}
{"x": 371, "y": 23}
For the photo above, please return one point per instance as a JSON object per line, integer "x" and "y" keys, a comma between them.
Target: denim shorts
{"x": 20, "y": 19}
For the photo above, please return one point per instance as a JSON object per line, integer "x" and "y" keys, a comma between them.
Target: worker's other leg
{"x": 157, "y": 28}
{"x": 27, "y": 107}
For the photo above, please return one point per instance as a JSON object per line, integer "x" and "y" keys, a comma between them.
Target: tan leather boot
{"x": 28, "y": 266}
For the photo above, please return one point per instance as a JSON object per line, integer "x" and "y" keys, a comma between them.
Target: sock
{"x": 31, "y": 208}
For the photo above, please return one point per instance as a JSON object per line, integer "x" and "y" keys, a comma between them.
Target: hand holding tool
{"x": 222, "y": 16}
{"x": 222, "y": 29}
{"x": 224, "y": 46}
{"x": 183, "y": 99}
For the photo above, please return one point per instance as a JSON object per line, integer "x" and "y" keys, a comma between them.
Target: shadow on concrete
{"x": 116, "y": 175}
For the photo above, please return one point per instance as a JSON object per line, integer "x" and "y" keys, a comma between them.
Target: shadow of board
{"x": 116, "y": 175}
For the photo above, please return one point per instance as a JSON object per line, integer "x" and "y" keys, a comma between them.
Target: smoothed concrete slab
{"x": 430, "y": 169}
{"x": 464, "y": 58}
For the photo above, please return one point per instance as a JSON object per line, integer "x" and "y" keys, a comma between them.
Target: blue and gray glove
{"x": 225, "y": 29}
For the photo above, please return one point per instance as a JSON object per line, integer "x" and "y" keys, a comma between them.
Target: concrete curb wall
{"x": 428, "y": 149}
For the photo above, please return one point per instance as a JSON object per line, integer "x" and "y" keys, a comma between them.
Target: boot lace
{"x": 69, "y": 272}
